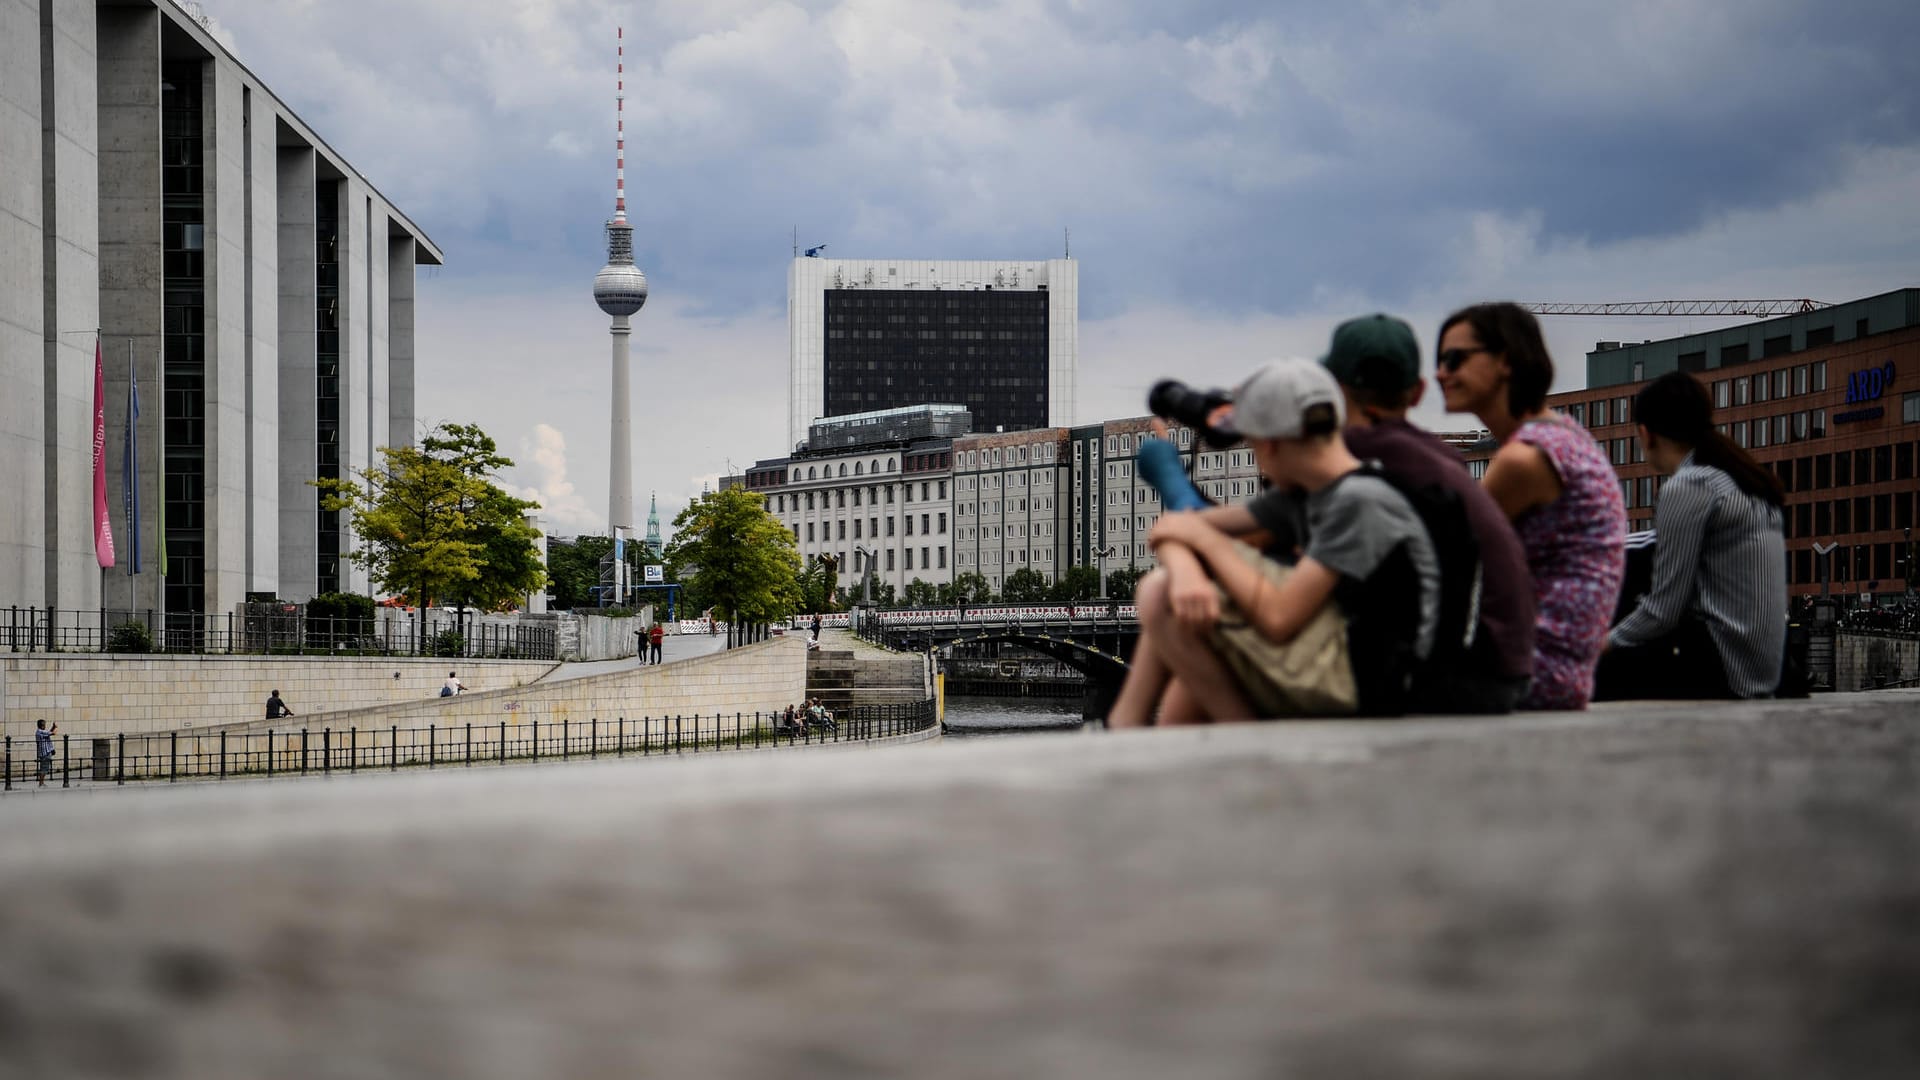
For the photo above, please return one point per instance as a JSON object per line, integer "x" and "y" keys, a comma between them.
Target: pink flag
{"x": 102, "y": 529}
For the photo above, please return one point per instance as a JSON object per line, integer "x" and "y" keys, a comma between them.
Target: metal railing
{"x": 291, "y": 632}
{"x": 223, "y": 755}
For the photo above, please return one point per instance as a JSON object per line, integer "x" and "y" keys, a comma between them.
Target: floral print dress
{"x": 1576, "y": 551}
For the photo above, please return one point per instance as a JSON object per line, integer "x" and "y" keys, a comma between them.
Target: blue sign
{"x": 1869, "y": 384}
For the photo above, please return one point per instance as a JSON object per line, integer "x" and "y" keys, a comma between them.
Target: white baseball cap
{"x": 1273, "y": 403}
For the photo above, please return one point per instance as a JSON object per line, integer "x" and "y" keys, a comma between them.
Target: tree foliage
{"x": 922, "y": 594}
{"x": 968, "y": 588}
{"x": 1078, "y": 583}
{"x": 433, "y": 526}
{"x": 730, "y": 555}
{"x": 1024, "y": 586}
{"x": 1120, "y": 583}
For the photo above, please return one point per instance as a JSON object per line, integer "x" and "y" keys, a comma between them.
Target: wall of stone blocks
{"x": 756, "y": 678}
{"x": 104, "y": 695}
{"x": 1865, "y": 661}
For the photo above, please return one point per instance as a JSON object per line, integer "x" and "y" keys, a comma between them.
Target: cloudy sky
{"x": 1238, "y": 176}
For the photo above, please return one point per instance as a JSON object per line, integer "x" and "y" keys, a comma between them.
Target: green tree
{"x": 573, "y": 566}
{"x": 1078, "y": 583}
{"x": 921, "y": 594}
{"x": 884, "y": 595}
{"x": 729, "y": 554}
{"x": 968, "y": 588}
{"x": 1024, "y": 586}
{"x": 1120, "y": 583}
{"x": 817, "y": 583}
{"x": 433, "y": 526}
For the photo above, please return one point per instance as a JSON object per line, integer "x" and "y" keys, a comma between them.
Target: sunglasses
{"x": 1451, "y": 360}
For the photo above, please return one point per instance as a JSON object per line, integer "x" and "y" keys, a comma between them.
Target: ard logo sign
{"x": 1869, "y": 384}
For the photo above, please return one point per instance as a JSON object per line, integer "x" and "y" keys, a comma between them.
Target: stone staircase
{"x": 842, "y": 678}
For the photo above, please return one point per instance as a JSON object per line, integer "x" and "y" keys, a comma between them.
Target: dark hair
{"x": 1512, "y": 331}
{"x": 1319, "y": 421}
{"x": 1675, "y": 406}
{"x": 1367, "y": 395}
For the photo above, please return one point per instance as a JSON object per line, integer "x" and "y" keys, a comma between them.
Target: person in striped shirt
{"x": 1713, "y": 622}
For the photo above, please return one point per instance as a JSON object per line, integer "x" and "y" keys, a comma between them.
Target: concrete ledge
{"x": 1641, "y": 890}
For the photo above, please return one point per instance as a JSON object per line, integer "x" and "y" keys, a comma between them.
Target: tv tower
{"x": 620, "y": 289}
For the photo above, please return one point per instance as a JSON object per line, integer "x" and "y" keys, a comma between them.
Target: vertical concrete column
{"x": 400, "y": 408}
{"x": 263, "y": 344}
{"x": 354, "y": 375}
{"x": 23, "y": 315}
{"x": 70, "y": 125}
{"x": 224, "y": 129}
{"x": 378, "y": 307}
{"x": 296, "y": 187}
{"x": 131, "y": 277}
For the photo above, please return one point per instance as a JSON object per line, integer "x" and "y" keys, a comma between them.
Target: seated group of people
{"x": 1374, "y": 576}
{"x": 812, "y": 714}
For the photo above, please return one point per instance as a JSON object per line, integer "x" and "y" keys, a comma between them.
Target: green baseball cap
{"x": 1374, "y": 352}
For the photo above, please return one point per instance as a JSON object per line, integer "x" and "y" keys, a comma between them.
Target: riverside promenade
{"x": 1644, "y": 890}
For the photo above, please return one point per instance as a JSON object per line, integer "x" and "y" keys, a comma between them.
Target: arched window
{"x": 859, "y": 468}
{"x": 890, "y": 465}
{"x": 810, "y": 475}
{"x": 796, "y": 476}
{"x": 843, "y": 468}
{"x": 874, "y": 466}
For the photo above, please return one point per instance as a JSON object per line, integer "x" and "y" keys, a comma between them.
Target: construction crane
{"x": 1759, "y": 309}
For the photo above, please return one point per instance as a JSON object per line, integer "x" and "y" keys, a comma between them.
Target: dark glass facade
{"x": 326, "y": 355}
{"x": 183, "y": 346}
{"x": 985, "y": 349}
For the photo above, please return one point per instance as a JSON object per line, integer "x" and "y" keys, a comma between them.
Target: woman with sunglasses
{"x": 1555, "y": 484}
{"x": 1713, "y": 623}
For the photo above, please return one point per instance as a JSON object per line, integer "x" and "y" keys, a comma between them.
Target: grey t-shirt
{"x": 1352, "y": 525}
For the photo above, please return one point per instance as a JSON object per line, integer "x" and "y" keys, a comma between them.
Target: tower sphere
{"x": 620, "y": 289}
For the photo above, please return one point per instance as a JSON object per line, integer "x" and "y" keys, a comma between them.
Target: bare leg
{"x": 1177, "y": 706}
{"x": 1206, "y": 681}
{"x": 1147, "y": 672}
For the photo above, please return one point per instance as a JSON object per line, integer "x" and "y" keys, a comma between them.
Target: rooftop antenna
{"x": 1069, "y": 236}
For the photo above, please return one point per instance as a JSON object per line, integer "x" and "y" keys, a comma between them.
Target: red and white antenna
{"x": 620, "y": 127}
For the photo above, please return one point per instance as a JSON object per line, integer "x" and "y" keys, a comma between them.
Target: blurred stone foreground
{"x": 1642, "y": 891}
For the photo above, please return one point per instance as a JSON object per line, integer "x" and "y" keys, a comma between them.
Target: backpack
{"x": 446, "y": 691}
{"x": 1458, "y": 645}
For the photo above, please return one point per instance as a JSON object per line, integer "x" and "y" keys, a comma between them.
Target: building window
{"x": 1720, "y": 394}
{"x": 1910, "y": 407}
{"x": 809, "y": 532}
{"x": 1760, "y": 388}
{"x": 1742, "y": 393}
{"x": 1819, "y": 423}
{"x": 1639, "y": 370}
{"x": 889, "y": 558}
{"x": 1782, "y": 381}
{"x": 1819, "y": 376}
{"x": 1599, "y": 414}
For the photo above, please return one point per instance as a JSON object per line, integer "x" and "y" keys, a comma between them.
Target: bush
{"x": 130, "y": 637}
{"x": 449, "y": 643}
{"x": 335, "y": 619}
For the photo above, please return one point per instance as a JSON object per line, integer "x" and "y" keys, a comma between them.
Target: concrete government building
{"x": 154, "y": 191}
{"x": 1000, "y": 338}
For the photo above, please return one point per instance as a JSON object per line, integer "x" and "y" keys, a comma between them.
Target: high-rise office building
{"x": 998, "y": 337}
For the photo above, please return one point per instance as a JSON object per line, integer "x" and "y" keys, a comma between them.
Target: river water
{"x": 985, "y": 717}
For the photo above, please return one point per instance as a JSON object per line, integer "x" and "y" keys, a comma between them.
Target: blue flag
{"x": 130, "y": 485}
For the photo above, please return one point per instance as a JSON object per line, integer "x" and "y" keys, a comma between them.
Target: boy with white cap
{"x": 1230, "y": 634}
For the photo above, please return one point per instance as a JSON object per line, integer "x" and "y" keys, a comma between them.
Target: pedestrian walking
{"x": 43, "y": 748}
{"x": 277, "y": 708}
{"x": 816, "y": 627}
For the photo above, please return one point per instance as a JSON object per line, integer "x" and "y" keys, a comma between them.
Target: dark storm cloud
{"x": 1240, "y": 156}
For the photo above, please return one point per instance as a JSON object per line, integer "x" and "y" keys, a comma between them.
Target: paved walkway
{"x": 673, "y": 647}
{"x": 1640, "y": 891}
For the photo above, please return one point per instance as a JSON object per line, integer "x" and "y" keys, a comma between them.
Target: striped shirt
{"x": 1722, "y": 558}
